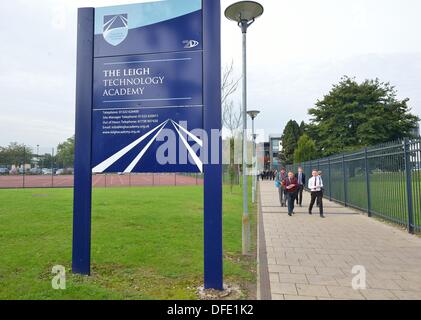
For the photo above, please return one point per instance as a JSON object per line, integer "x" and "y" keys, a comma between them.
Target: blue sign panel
{"x": 160, "y": 26}
{"x": 153, "y": 80}
{"x": 148, "y": 87}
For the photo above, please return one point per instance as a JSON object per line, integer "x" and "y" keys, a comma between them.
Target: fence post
{"x": 408, "y": 169}
{"x": 330, "y": 179}
{"x": 23, "y": 166}
{"x": 367, "y": 182}
{"x": 344, "y": 175}
{"x": 52, "y": 168}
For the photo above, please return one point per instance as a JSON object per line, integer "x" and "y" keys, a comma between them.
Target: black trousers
{"x": 300, "y": 194}
{"x": 317, "y": 202}
{"x": 319, "y": 196}
{"x": 291, "y": 199}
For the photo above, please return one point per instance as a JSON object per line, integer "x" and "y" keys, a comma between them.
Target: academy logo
{"x": 115, "y": 28}
{"x": 189, "y": 44}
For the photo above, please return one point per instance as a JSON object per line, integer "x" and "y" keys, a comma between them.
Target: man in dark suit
{"x": 301, "y": 178}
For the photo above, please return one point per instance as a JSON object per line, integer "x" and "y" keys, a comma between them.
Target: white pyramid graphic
{"x": 118, "y": 155}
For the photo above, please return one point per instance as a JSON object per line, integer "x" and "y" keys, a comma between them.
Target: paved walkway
{"x": 312, "y": 258}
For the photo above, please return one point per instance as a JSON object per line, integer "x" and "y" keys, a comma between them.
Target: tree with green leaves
{"x": 290, "y": 137}
{"x": 47, "y": 160}
{"x": 15, "y": 154}
{"x": 355, "y": 115}
{"x": 306, "y": 149}
{"x": 66, "y": 152}
{"x": 303, "y": 128}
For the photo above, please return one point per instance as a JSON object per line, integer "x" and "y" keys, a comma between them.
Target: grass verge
{"x": 147, "y": 243}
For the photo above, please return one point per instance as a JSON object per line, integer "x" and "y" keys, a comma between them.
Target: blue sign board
{"x": 148, "y": 80}
{"x": 133, "y": 97}
{"x": 137, "y": 97}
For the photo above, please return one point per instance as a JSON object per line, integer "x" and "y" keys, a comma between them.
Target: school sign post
{"x": 147, "y": 73}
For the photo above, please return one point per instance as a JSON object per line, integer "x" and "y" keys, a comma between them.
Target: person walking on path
{"x": 315, "y": 184}
{"x": 301, "y": 177}
{"x": 323, "y": 190}
{"x": 280, "y": 183}
{"x": 291, "y": 186}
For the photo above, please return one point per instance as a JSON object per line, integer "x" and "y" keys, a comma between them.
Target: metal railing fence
{"x": 382, "y": 180}
{"x": 42, "y": 168}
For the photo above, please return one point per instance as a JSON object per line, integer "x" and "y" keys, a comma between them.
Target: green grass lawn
{"x": 147, "y": 243}
{"x": 388, "y": 194}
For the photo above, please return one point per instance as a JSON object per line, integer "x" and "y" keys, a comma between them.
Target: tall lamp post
{"x": 253, "y": 114}
{"x": 244, "y": 13}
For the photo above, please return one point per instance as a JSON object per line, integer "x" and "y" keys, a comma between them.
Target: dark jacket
{"x": 289, "y": 182}
{"x": 303, "y": 178}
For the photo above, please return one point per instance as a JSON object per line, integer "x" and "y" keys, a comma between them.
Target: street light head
{"x": 253, "y": 114}
{"x": 244, "y": 12}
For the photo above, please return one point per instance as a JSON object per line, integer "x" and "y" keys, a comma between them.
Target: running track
{"x": 104, "y": 181}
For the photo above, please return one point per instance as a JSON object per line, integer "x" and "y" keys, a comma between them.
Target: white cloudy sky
{"x": 297, "y": 50}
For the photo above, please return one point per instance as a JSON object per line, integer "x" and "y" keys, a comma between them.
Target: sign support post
{"x": 81, "y": 250}
{"x": 213, "y": 170}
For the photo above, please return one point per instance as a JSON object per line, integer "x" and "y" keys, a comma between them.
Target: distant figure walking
{"x": 280, "y": 183}
{"x": 315, "y": 184}
{"x": 291, "y": 186}
{"x": 301, "y": 177}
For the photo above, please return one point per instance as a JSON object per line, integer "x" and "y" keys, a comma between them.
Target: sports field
{"x": 99, "y": 180}
{"x": 147, "y": 243}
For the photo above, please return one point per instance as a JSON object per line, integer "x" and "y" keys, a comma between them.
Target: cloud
{"x": 296, "y": 51}
{"x": 299, "y": 48}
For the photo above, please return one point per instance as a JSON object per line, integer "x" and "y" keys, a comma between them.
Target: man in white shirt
{"x": 315, "y": 184}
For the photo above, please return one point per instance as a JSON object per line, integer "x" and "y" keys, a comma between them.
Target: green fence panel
{"x": 376, "y": 180}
